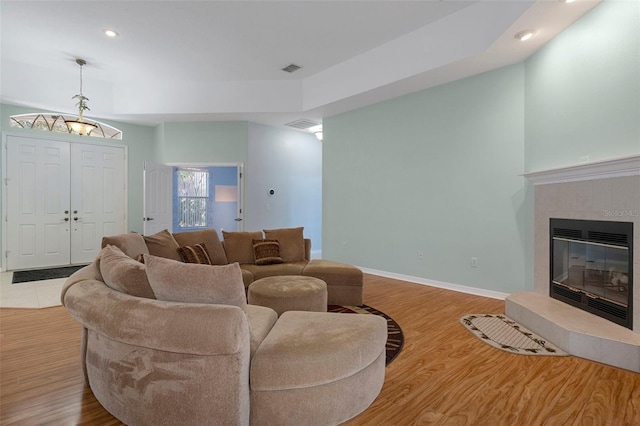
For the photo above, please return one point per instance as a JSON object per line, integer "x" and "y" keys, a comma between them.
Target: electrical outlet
{"x": 474, "y": 262}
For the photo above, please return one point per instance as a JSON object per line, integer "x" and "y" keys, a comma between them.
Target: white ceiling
{"x": 221, "y": 60}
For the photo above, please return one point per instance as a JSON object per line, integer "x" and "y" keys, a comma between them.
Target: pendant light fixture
{"x": 79, "y": 125}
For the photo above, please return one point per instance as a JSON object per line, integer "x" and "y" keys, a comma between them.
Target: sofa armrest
{"x": 154, "y": 362}
{"x": 188, "y": 328}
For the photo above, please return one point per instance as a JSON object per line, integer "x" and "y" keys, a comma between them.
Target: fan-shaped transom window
{"x": 53, "y": 122}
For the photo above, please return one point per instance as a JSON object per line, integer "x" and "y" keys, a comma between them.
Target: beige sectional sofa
{"x": 173, "y": 343}
{"x": 344, "y": 282}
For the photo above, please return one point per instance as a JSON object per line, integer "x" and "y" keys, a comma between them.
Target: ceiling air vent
{"x": 303, "y": 124}
{"x": 291, "y": 68}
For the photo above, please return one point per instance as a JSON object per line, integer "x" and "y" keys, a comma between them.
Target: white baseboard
{"x": 433, "y": 283}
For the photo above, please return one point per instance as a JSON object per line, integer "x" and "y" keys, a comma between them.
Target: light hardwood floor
{"x": 444, "y": 375}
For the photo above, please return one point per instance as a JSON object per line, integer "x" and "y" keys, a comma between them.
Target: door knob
{"x": 66, "y": 219}
{"x": 66, "y": 212}
{"x": 238, "y": 219}
{"x": 76, "y": 218}
{"x": 147, "y": 218}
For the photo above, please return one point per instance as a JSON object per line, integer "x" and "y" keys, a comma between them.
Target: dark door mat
{"x": 44, "y": 274}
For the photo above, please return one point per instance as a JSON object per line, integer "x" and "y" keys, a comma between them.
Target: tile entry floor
{"x": 33, "y": 294}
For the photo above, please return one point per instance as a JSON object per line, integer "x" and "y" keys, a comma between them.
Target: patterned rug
{"x": 395, "y": 338}
{"x": 503, "y": 333}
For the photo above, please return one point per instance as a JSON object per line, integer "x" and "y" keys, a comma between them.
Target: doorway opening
{"x": 188, "y": 197}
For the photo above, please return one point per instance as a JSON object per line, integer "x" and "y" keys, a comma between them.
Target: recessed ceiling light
{"x": 524, "y": 35}
{"x": 110, "y": 33}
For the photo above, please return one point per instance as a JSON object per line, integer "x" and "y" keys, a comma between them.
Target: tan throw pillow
{"x": 131, "y": 244}
{"x": 239, "y": 246}
{"x": 124, "y": 274}
{"x": 195, "y": 254}
{"x": 193, "y": 283}
{"x": 208, "y": 237}
{"x": 266, "y": 252}
{"x": 162, "y": 244}
{"x": 291, "y": 242}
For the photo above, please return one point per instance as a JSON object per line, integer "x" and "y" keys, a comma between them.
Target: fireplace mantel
{"x": 615, "y": 167}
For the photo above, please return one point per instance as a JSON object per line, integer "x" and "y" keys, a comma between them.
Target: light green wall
{"x": 205, "y": 143}
{"x": 210, "y": 142}
{"x": 436, "y": 172}
{"x": 583, "y": 90}
{"x": 138, "y": 139}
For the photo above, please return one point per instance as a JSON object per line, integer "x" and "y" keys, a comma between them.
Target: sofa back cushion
{"x": 131, "y": 244}
{"x": 211, "y": 240}
{"x": 122, "y": 273}
{"x": 194, "y": 283}
{"x": 239, "y": 246}
{"x": 292, "y": 245}
{"x": 163, "y": 244}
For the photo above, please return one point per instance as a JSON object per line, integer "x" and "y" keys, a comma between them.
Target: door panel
{"x": 97, "y": 202}
{"x": 158, "y": 193}
{"x": 37, "y": 198}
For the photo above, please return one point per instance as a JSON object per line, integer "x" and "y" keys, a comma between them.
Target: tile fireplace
{"x": 586, "y": 269}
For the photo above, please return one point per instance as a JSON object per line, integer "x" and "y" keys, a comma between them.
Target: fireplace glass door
{"x": 597, "y": 269}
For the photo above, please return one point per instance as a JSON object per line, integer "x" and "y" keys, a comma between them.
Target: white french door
{"x": 62, "y": 198}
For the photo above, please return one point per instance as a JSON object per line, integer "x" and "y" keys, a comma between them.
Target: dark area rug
{"x": 395, "y": 338}
{"x": 44, "y": 274}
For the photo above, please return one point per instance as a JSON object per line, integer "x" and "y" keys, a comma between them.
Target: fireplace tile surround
{"x": 606, "y": 190}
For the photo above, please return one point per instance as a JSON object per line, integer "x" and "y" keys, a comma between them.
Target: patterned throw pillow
{"x": 195, "y": 254}
{"x": 266, "y": 252}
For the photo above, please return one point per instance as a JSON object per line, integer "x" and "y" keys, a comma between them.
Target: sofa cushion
{"x": 285, "y": 268}
{"x": 239, "y": 246}
{"x": 291, "y": 241}
{"x": 162, "y": 244}
{"x": 211, "y": 240}
{"x": 196, "y": 253}
{"x": 261, "y": 321}
{"x": 247, "y": 276}
{"x": 192, "y": 283}
{"x": 123, "y": 274}
{"x": 131, "y": 244}
{"x": 306, "y": 349}
{"x": 334, "y": 272}
{"x": 266, "y": 252}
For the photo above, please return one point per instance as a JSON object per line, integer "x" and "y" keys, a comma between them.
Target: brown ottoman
{"x": 289, "y": 293}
